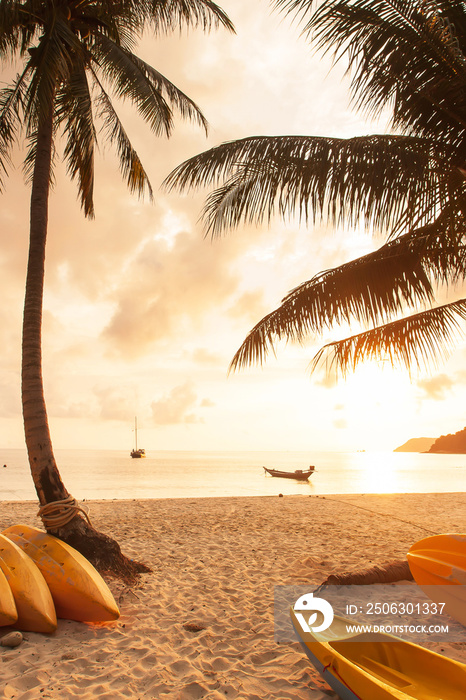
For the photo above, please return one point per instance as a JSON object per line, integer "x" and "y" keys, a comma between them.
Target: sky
{"x": 143, "y": 313}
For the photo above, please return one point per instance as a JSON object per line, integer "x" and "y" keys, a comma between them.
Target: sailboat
{"x": 137, "y": 453}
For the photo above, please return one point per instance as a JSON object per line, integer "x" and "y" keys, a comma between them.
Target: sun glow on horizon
{"x": 381, "y": 474}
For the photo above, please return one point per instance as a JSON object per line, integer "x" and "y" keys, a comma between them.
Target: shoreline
{"x": 329, "y": 496}
{"x": 201, "y": 625}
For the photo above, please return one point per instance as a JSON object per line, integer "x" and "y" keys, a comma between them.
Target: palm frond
{"x": 130, "y": 81}
{"x": 11, "y": 105}
{"x": 370, "y": 290}
{"x": 210, "y": 166}
{"x": 380, "y": 179}
{"x": 18, "y": 26}
{"x": 402, "y": 54}
{"x": 175, "y": 97}
{"x": 441, "y": 245}
{"x": 74, "y": 111}
{"x": 124, "y": 21}
{"x": 247, "y": 197}
{"x": 169, "y": 15}
{"x": 130, "y": 163}
{"x": 72, "y": 38}
{"x": 418, "y": 341}
{"x": 51, "y": 64}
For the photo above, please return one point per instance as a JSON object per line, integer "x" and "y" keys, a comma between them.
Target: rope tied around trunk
{"x": 60, "y": 513}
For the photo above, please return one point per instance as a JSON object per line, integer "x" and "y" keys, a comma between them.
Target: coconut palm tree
{"x": 74, "y": 56}
{"x": 407, "y": 57}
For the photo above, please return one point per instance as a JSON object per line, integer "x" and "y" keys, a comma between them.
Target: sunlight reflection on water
{"x": 111, "y": 474}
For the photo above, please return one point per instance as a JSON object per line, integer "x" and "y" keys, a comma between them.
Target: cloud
{"x": 75, "y": 409}
{"x": 207, "y": 403}
{"x": 340, "y": 423}
{"x": 436, "y": 388}
{"x": 203, "y": 356}
{"x": 249, "y": 306}
{"x": 328, "y": 381}
{"x": 460, "y": 377}
{"x": 67, "y": 397}
{"x": 113, "y": 402}
{"x": 176, "y": 407}
{"x": 172, "y": 286}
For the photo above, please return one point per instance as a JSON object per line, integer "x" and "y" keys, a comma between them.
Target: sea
{"x": 111, "y": 474}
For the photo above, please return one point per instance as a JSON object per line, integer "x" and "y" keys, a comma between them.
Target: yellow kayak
{"x": 438, "y": 565}
{"x": 8, "y": 612}
{"x": 78, "y": 590}
{"x": 34, "y": 604}
{"x": 374, "y": 666}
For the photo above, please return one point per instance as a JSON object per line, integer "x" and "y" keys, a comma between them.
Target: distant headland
{"x": 445, "y": 444}
{"x": 422, "y": 444}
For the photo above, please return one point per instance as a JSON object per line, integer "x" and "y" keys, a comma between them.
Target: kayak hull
{"x": 8, "y": 612}
{"x": 34, "y": 604}
{"x": 438, "y": 565}
{"x": 373, "y": 666}
{"x": 78, "y": 590}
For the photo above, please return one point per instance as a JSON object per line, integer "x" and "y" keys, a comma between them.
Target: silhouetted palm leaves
{"x": 74, "y": 53}
{"x": 408, "y": 57}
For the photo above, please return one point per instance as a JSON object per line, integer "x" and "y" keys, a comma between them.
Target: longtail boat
{"x": 298, "y": 474}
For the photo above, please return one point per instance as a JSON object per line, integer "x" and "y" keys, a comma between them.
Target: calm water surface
{"x": 104, "y": 474}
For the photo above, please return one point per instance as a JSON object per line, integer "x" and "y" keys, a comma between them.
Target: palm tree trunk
{"x": 45, "y": 474}
{"x": 100, "y": 549}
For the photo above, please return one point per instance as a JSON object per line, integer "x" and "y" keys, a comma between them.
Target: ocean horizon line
{"x": 112, "y": 474}
{"x": 225, "y": 450}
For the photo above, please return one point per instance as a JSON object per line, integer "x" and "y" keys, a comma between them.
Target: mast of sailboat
{"x": 136, "y": 432}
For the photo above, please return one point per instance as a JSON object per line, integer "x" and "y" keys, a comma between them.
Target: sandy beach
{"x": 201, "y": 625}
